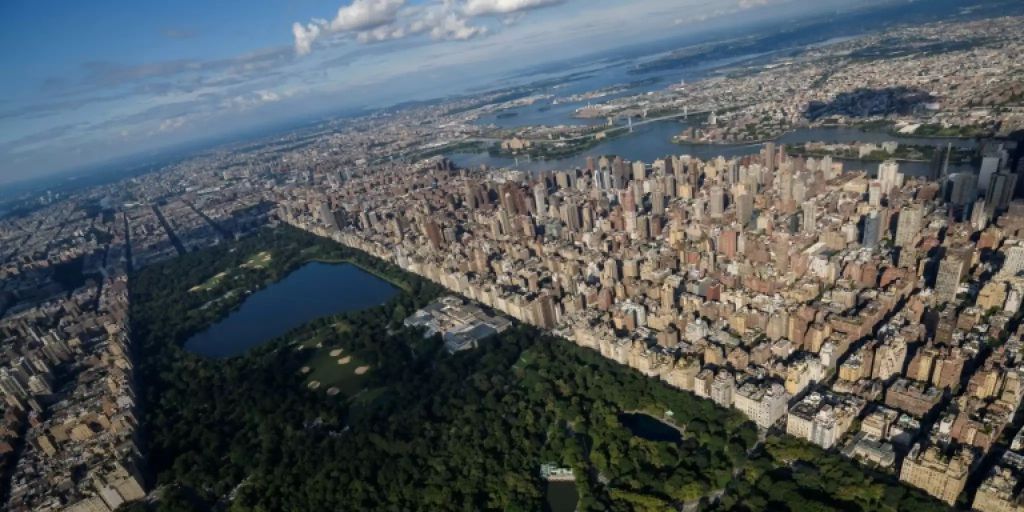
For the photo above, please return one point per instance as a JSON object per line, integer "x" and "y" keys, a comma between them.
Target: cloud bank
{"x": 485, "y": 7}
{"x": 366, "y": 14}
{"x": 372, "y": 21}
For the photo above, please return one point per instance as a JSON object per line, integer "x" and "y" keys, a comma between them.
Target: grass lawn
{"x": 260, "y": 260}
{"x": 332, "y": 367}
{"x": 210, "y": 283}
{"x": 341, "y": 327}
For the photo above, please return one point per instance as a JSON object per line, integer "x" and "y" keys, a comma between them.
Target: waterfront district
{"x": 877, "y": 315}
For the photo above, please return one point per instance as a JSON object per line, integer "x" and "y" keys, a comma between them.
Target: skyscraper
{"x": 810, "y": 220}
{"x": 1013, "y": 258}
{"x": 1000, "y": 191}
{"x": 908, "y": 224}
{"x": 875, "y": 192}
{"x": 639, "y": 171}
{"x": 951, "y": 272}
{"x": 872, "y": 229}
{"x": 657, "y": 199}
{"x": 826, "y": 167}
{"x": 327, "y": 216}
{"x": 963, "y": 189}
{"x": 744, "y": 208}
{"x": 989, "y": 166}
{"x": 768, "y": 154}
{"x": 979, "y": 215}
{"x": 543, "y": 311}
{"x": 727, "y": 243}
{"x": 716, "y": 202}
{"x": 540, "y": 196}
{"x": 889, "y": 176}
{"x": 433, "y": 233}
{"x": 627, "y": 200}
{"x": 786, "y": 185}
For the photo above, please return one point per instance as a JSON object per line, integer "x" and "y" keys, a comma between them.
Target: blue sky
{"x": 89, "y": 81}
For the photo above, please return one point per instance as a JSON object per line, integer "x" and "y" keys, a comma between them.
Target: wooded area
{"x": 432, "y": 431}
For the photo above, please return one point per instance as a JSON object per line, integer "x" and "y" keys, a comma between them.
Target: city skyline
{"x": 779, "y": 270}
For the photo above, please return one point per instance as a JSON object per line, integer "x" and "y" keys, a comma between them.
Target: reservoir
{"x": 313, "y": 291}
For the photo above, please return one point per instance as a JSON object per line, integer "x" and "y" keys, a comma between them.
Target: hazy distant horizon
{"x": 143, "y": 77}
{"x": 75, "y": 108}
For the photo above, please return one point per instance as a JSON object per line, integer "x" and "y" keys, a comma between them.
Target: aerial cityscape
{"x": 758, "y": 257}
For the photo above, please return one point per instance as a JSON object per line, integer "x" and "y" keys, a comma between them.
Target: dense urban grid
{"x": 873, "y": 314}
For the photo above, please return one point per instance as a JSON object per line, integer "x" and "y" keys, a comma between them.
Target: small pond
{"x": 650, "y": 428}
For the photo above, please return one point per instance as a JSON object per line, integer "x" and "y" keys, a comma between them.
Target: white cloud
{"x": 383, "y": 33}
{"x": 168, "y": 125}
{"x": 485, "y": 7}
{"x": 511, "y": 19}
{"x": 366, "y": 14}
{"x": 249, "y": 100}
{"x": 444, "y": 22}
{"x": 371, "y": 21}
{"x": 724, "y": 10}
{"x": 454, "y": 27}
{"x": 305, "y": 35}
{"x": 268, "y": 96}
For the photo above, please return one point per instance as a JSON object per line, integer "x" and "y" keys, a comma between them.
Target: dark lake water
{"x": 650, "y": 142}
{"x": 650, "y": 428}
{"x": 313, "y": 291}
{"x": 562, "y": 497}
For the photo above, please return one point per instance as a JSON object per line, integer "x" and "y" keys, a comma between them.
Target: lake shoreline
{"x": 313, "y": 290}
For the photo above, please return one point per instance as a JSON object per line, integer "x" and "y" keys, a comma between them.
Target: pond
{"x": 562, "y": 496}
{"x": 650, "y": 428}
{"x": 313, "y": 291}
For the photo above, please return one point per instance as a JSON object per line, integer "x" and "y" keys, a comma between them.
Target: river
{"x": 313, "y": 291}
{"x": 652, "y": 141}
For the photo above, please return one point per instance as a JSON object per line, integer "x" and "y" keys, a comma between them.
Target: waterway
{"x": 313, "y": 291}
{"x": 650, "y": 428}
{"x": 653, "y": 141}
{"x": 847, "y": 135}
